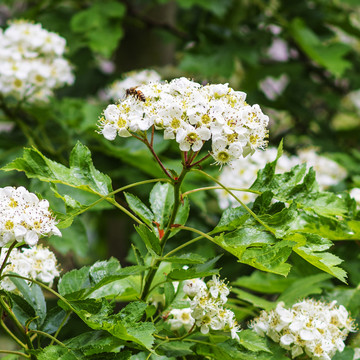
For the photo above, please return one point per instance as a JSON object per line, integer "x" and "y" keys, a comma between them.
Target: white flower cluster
{"x": 243, "y": 172}
{"x": 206, "y": 308}
{"x": 32, "y": 62}
{"x": 309, "y": 326}
{"x": 191, "y": 114}
{"x": 117, "y": 90}
{"x": 23, "y": 217}
{"x": 36, "y": 263}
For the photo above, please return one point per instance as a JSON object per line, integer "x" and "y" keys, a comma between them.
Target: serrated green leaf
{"x": 195, "y": 271}
{"x": 252, "y": 341}
{"x": 161, "y": 202}
{"x": 93, "y": 342}
{"x": 311, "y": 247}
{"x": 151, "y": 241}
{"x": 81, "y": 174}
{"x": 57, "y": 352}
{"x": 125, "y": 325}
{"x": 139, "y": 208}
{"x": 75, "y": 282}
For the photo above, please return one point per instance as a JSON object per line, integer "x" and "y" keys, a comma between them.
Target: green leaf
{"x": 125, "y": 325}
{"x": 264, "y": 282}
{"x": 169, "y": 293}
{"x": 176, "y": 348}
{"x": 94, "y": 342}
{"x": 81, "y": 174}
{"x": 161, "y": 202}
{"x": 311, "y": 247}
{"x": 195, "y": 271}
{"x": 139, "y": 208}
{"x": 66, "y": 243}
{"x": 217, "y": 8}
{"x": 330, "y": 56}
{"x": 236, "y": 242}
{"x": 75, "y": 282}
{"x": 253, "y": 299}
{"x": 252, "y": 341}
{"x": 57, "y": 352}
{"x": 34, "y": 296}
{"x": 181, "y": 216}
{"x": 189, "y": 258}
{"x": 150, "y": 239}
{"x": 302, "y": 288}
{"x": 54, "y": 317}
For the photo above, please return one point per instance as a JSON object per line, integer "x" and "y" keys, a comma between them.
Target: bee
{"x": 137, "y": 94}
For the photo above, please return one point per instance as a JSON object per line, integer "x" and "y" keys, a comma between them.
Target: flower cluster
{"x": 191, "y": 114}
{"x": 206, "y": 308}
{"x": 23, "y": 217}
{"x": 32, "y": 62}
{"x": 309, "y": 326}
{"x": 117, "y": 90}
{"x": 36, "y": 263}
{"x": 243, "y": 172}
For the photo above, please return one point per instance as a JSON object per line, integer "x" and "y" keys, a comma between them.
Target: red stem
{"x": 202, "y": 159}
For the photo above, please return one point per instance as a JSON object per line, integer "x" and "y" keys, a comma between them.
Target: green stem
{"x": 47, "y": 335}
{"x": 127, "y": 212}
{"x": 198, "y": 232}
{"x": 106, "y": 197}
{"x": 237, "y": 199}
{"x": 14, "y": 353}
{"x": 181, "y": 246}
{"x": 219, "y": 187}
{"x": 44, "y": 287}
{"x": 156, "y": 262}
{"x": 7, "y": 257}
{"x": 9, "y": 332}
{"x": 8, "y": 310}
{"x": 60, "y": 326}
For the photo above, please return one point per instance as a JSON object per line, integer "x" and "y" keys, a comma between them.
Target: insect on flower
{"x": 137, "y": 94}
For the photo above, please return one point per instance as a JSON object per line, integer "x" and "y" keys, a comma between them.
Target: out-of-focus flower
{"x": 32, "y": 62}
{"x": 274, "y": 87}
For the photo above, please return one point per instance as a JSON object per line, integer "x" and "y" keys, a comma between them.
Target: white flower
{"x": 193, "y": 287}
{"x": 191, "y": 114}
{"x": 181, "y": 317}
{"x": 36, "y": 263}
{"x": 309, "y": 326}
{"x": 32, "y": 63}
{"x": 23, "y": 217}
{"x": 117, "y": 90}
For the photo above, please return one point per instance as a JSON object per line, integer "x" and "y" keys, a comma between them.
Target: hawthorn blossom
{"x": 23, "y": 217}
{"x": 191, "y": 114}
{"x": 32, "y": 62}
{"x": 314, "y": 327}
{"x": 36, "y": 263}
